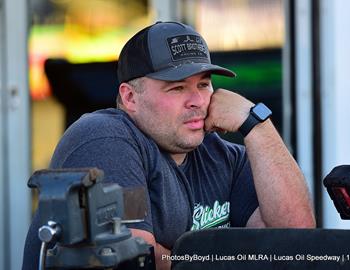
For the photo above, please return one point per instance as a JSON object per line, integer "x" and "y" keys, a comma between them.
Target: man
{"x": 163, "y": 138}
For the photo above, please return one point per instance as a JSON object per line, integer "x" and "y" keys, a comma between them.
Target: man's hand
{"x": 159, "y": 250}
{"x": 227, "y": 111}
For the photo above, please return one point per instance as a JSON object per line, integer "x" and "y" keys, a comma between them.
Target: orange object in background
{"x": 39, "y": 85}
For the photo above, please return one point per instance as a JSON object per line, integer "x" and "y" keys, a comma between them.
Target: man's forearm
{"x": 281, "y": 189}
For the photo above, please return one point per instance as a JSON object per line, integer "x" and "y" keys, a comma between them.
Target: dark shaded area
{"x": 82, "y": 88}
{"x": 317, "y": 111}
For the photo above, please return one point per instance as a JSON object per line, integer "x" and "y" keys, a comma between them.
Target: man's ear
{"x": 127, "y": 95}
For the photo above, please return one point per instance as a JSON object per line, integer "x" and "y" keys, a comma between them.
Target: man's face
{"x": 173, "y": 113}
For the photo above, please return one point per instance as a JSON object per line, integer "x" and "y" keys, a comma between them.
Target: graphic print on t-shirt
{"x": 206, "y": 217}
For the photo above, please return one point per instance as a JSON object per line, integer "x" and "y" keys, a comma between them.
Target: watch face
{"x": 261, "y": 112}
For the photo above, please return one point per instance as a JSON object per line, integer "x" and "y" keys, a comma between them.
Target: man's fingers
{"x": 210, "y": 126}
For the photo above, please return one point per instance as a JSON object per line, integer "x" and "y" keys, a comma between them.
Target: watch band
{"x": 248, "y": 125}
{"x": 258, "y": 114}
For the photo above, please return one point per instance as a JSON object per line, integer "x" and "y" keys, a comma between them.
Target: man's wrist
{"x": 258, "y": 114}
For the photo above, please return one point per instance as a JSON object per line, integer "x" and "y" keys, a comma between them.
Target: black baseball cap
{"x": 168, "y": 51}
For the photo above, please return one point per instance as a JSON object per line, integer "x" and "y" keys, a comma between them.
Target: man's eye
{"x": 204, "y": 85}
{"x": 177, "y": 88}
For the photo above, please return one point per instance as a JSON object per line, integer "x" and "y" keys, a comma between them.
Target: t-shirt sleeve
{"x": 122, "y": 162}
{"x": 244, "y": 200}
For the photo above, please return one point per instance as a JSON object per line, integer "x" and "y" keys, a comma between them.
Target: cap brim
{"x": 184, "y": 71}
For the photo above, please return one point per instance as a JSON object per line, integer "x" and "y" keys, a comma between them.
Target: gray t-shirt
{"x": 212, "y": 188}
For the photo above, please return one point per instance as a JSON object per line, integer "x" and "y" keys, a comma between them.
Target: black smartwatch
{"x": 258, "y": 114}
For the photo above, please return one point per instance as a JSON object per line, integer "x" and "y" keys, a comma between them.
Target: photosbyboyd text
{"x": 342, "y": 258}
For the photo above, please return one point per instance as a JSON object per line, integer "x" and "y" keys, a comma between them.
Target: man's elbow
{"x": 308, "y": 222}
{"x": 296, "y": 220}
{"x": 302, "y": 220}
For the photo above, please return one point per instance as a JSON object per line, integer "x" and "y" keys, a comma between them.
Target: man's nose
{"x": 196, "y": 99}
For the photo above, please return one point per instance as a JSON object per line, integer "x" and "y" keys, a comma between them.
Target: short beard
{"x": 172, "y": 142}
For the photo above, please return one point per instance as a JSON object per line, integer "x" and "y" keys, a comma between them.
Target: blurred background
{"x": 58, "y": 60}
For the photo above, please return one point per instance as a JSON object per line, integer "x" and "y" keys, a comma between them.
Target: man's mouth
{"x": 195, "y": 123}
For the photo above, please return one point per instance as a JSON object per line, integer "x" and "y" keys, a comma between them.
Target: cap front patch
{"x": 187, "y": 46}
